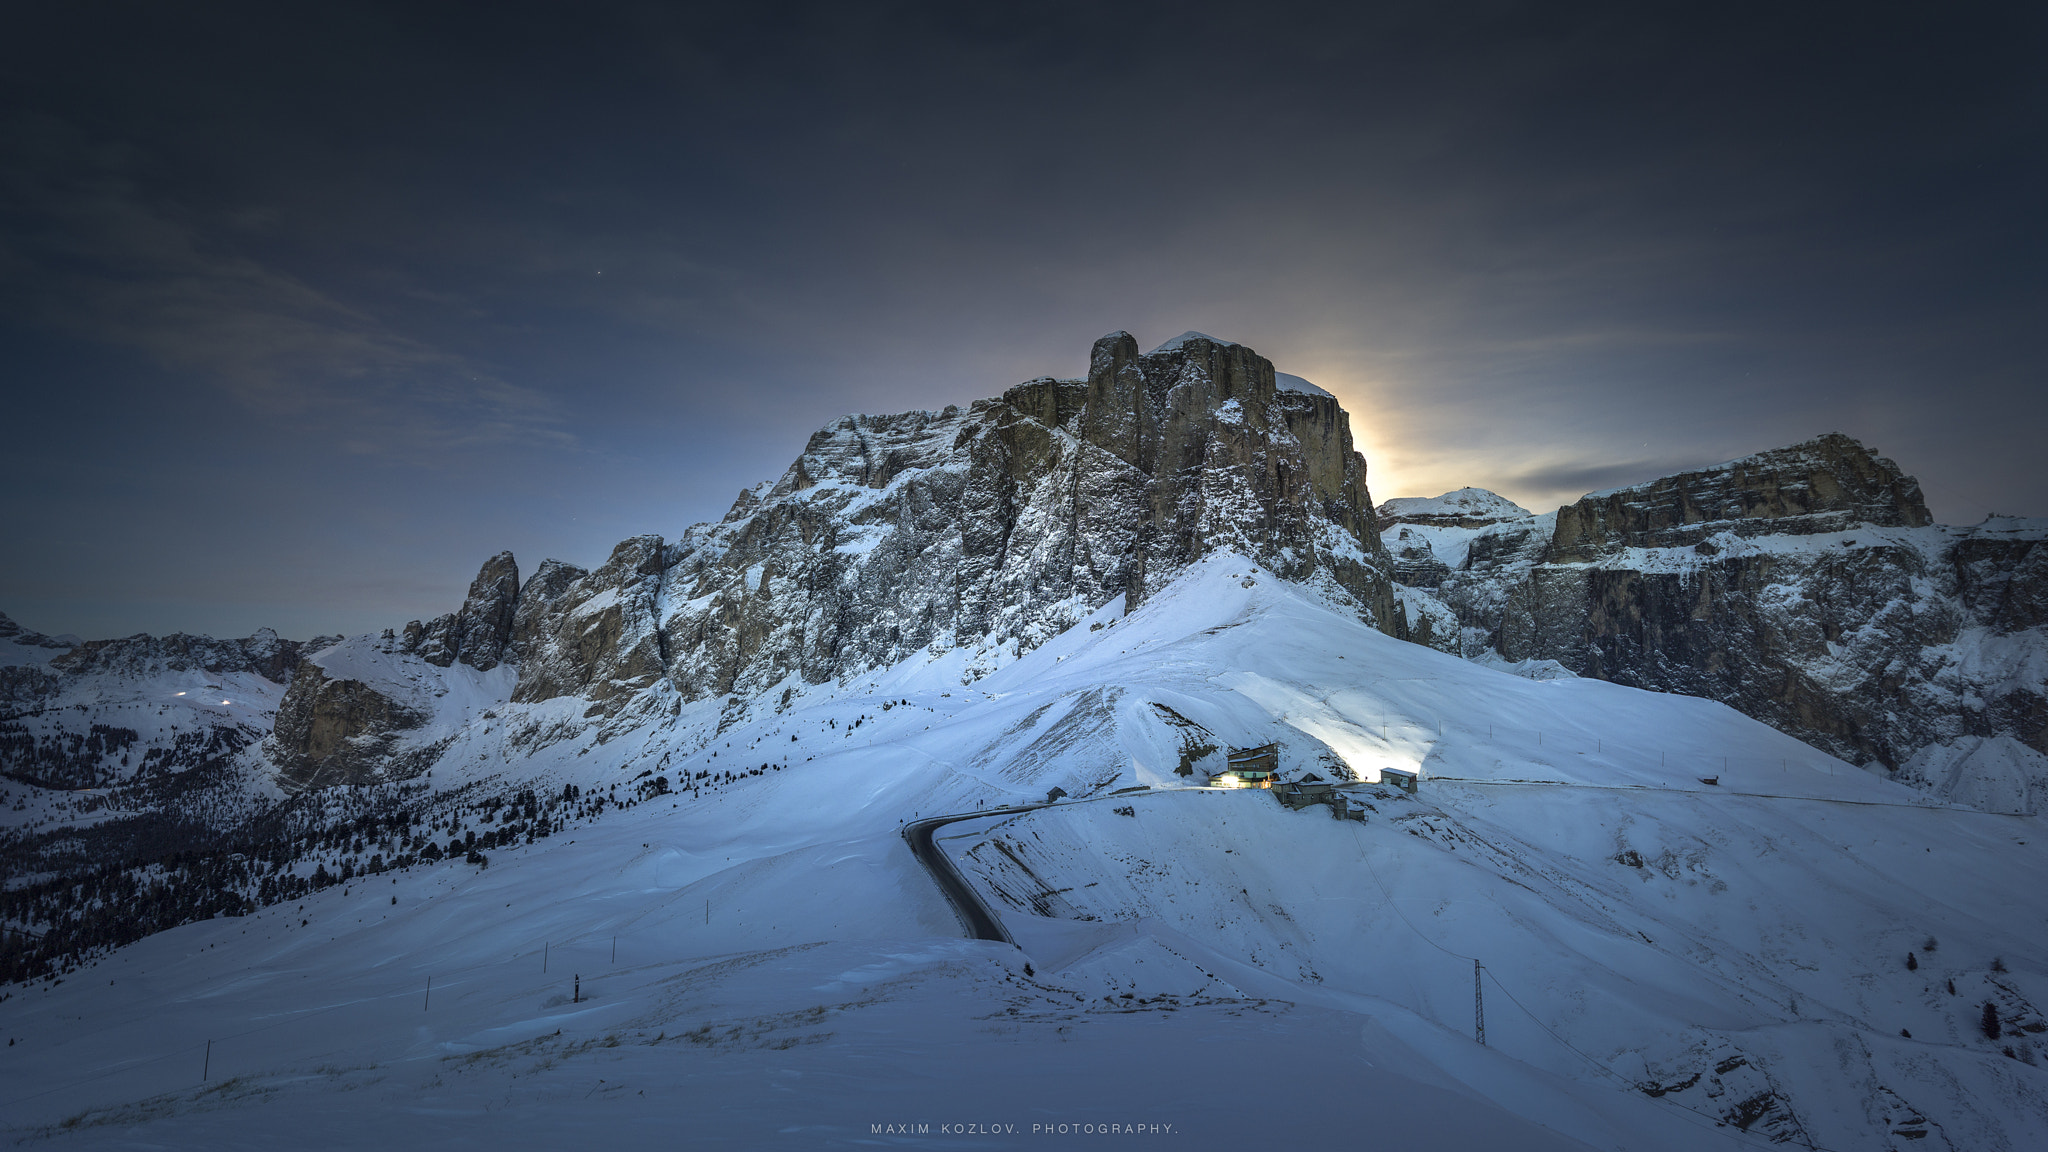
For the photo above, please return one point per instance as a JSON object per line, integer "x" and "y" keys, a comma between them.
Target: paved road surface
{"x": 975, "y": 916}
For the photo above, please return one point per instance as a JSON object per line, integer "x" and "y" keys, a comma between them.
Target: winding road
{"x": 975, "y": 915}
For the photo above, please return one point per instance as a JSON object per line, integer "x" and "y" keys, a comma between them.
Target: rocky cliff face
{"x": 478, "y": 632}
{"x": 972, "y": 533}
{"x": 337, "y": 730}
{"x": 987, "y": 529}
{"x": 1827, "y": 484}
{"x": 1805, "y": 586}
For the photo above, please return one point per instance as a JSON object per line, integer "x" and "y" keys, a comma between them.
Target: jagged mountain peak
{"x": 972, "y": 534}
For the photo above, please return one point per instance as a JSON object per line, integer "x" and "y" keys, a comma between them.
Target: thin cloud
{"x": 1580, "y": 477}
{"x": 87, "y": 253}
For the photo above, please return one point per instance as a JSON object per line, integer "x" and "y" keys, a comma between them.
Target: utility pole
{"x": 208, "y": 1065}
{"x": 430, "y": 994}
{"x": 1478, "y": 1006}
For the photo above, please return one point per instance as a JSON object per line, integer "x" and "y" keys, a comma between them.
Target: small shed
{"x": 1401, "y": 778}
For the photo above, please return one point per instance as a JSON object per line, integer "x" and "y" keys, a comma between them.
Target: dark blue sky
{"x": 304, "y": 313}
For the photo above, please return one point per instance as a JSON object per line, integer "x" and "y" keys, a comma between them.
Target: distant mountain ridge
{"x": 1806, "y": 586}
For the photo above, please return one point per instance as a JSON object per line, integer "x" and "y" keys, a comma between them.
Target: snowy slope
{"x": 93, "y": 733}
{"x": 1661, "y": 953}
{"x": 1472, "y": 506}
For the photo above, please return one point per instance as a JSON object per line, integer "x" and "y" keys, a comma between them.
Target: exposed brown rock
{"x": 335, "y": 731}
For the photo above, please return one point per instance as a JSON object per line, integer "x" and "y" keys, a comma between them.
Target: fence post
{"x": 1478, "y": 1006}
{"x": 207, "y": 1067}
{"x": 430, "y": 993}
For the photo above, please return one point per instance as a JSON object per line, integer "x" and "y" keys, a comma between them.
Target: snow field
{"x": 787, "y": 976}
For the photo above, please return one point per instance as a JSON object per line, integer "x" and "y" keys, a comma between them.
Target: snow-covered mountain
{"x": 1766, "y": 952}
{"x": 1806, "y": 586}
{"x": 620, "y": 850}
{"x": 977, "y": 533}
{"x": 93, "y": 732}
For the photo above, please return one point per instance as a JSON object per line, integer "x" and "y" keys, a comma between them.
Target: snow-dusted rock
{"x": 1464, "y": 508}
{"x": 336, "y": 730}
{"x": 1805, "y": 586}
{"x": 1826, "y": 484}
{"x": 990, "y": 528}
{"x": 478, "y": 632}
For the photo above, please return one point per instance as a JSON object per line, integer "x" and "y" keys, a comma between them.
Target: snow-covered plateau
{"x": 618, "y": 855}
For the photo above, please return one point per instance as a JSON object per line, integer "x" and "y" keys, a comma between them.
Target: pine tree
{"x": 1992, "y": 1029}
{"x": 1912, "y": 964}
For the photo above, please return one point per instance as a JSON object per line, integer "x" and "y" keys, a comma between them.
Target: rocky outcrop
{"x": 1827, "y": 484}
{"x": 340, "y": 727}
{"x": 13, "y": 633}
{"x": 594, "y": 634}
{"x": 1428, "y": 538}
{"x": 1806, "y": 587}
{"x": 985, "y": 530}
{"x": 336, "y": 731}
{"x": 478, "y": 632}
{"x": 137, "y": 712}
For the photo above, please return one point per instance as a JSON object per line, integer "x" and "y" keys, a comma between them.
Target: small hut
{"x": 1401, "y": 778}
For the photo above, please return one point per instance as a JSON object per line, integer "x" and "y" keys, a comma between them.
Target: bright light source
{"x": 181, "y": 693}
